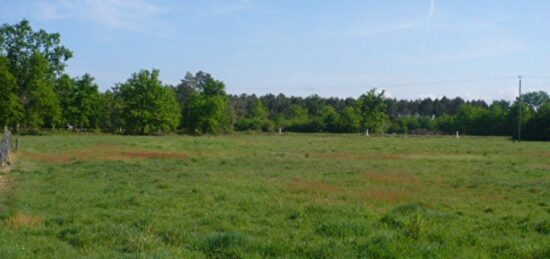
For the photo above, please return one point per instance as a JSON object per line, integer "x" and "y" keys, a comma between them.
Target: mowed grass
{"x": 257, "y": 196}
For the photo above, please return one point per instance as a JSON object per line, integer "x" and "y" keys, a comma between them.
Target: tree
{"x": 64, "y": 88}
{"x": 19, "y": 43}
{"x": 538, "y": 127}
{"x": 257, "y": 119}
{"x": 469, "y": 119}
{"x": 108, "y": 118}
{"x": 372, "y": 108}
{"x": 297, "y": 118}
{"x": 513, "y": 117}
{"x": 205, "y": 107}
{"x": 446, "y": 123}
{"x": 330, "y": 119}
{"x": 35, "y": 59}
{"x": 350, "y": 120}
{"x": 40, "y": 102}
{"x": 11, "y": 110}
{"x": 147, "y": 106}
{"x": 535, "y": 99}
{"x": 85, "y": 102}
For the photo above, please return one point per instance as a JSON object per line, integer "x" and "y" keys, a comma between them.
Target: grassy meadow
{"x": 292, "y": 196}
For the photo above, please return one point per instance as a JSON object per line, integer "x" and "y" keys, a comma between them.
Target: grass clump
{"x": 225, "y": 245}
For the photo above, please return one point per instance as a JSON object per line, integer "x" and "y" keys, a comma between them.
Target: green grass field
{"x": 287, "y": 196}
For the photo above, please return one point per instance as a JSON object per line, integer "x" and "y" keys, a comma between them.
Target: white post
{"x": 280, "y": 131}
{"x": 367, "y": 133}
{"x": 457, "y": 136}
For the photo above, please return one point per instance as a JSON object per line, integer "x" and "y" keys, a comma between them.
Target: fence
{"x": 5, "y": 148}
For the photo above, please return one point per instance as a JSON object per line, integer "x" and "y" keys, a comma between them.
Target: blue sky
{"x": 473, "y": 49}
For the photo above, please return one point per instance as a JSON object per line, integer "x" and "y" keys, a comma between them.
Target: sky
{"x": 410, "y": 48}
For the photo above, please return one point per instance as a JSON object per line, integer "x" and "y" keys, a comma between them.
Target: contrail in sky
{"x": 432, "y": 10}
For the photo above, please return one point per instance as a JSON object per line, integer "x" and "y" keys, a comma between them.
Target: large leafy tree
{"x": 513, "y": 116}
{"x": 372, "y": 107}
{"x": 205, "y": 104}
{"x": 11, "y": 109}
{"x": 86, "y": 102}
{"x": 35, "y": 59}
{"x": 19, "y": 42}
{"x": 64, "y": 88}
{"x": 350, "y": 120}
{"x": 148, "y": 106}
{"x": 470, "y": 119}
{"x": 538, "y": 127}
{"x": 39, "y": 100}
{"x": 536, "y": 99}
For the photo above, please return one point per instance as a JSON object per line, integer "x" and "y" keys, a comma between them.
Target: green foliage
{"x": 446, "y": 123}
{"x": 34, "y": 93}
{"x": 513, "y": 117}
{"x": 256, "y": 120}
{"x": 469, "y": 118}
{"x": 205, "y": 108}
{"x": 147, "y": 106}
{"x": 350, "y": 120}
{"x": 373, "y": 111}
{"x": 20, "y": 43}
{"x": 535, "y": 100}
{"x": 40, "y": 102}
{"x": 11, "y": 110}
{"x": 86, "y": 102}
{"x": 330, "y": 120}
{"x": 538, "y": 127}
{"x": 64, "y": 88}
{"x": 404, "y": 124}
{"x": 34, "y": 58}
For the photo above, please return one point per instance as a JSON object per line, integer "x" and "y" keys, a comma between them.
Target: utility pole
{"x": 519, "y": 120}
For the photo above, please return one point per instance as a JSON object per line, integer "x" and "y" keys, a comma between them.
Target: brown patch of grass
{"x": 312, "y": 187}
{"x": 22, "y": 220}
{"x": 390, "y": 187}
{"x": 103, "y": 152}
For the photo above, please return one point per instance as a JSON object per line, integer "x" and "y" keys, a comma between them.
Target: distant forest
{"x": 36, "y": 93}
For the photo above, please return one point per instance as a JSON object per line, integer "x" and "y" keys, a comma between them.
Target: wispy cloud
{"x": 117, "y": 14}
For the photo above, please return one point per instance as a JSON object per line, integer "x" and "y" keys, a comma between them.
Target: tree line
{"x": 36, "y": 93}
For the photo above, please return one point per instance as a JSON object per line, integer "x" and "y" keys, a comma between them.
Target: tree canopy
{"x": 36, "y": 93}
{"x": 147, "y": 106}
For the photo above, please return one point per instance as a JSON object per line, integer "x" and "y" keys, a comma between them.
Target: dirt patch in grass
{"x": 22, "y": 220}
{"x": 103, "y": 152}
{"x": 312, "y": 187}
